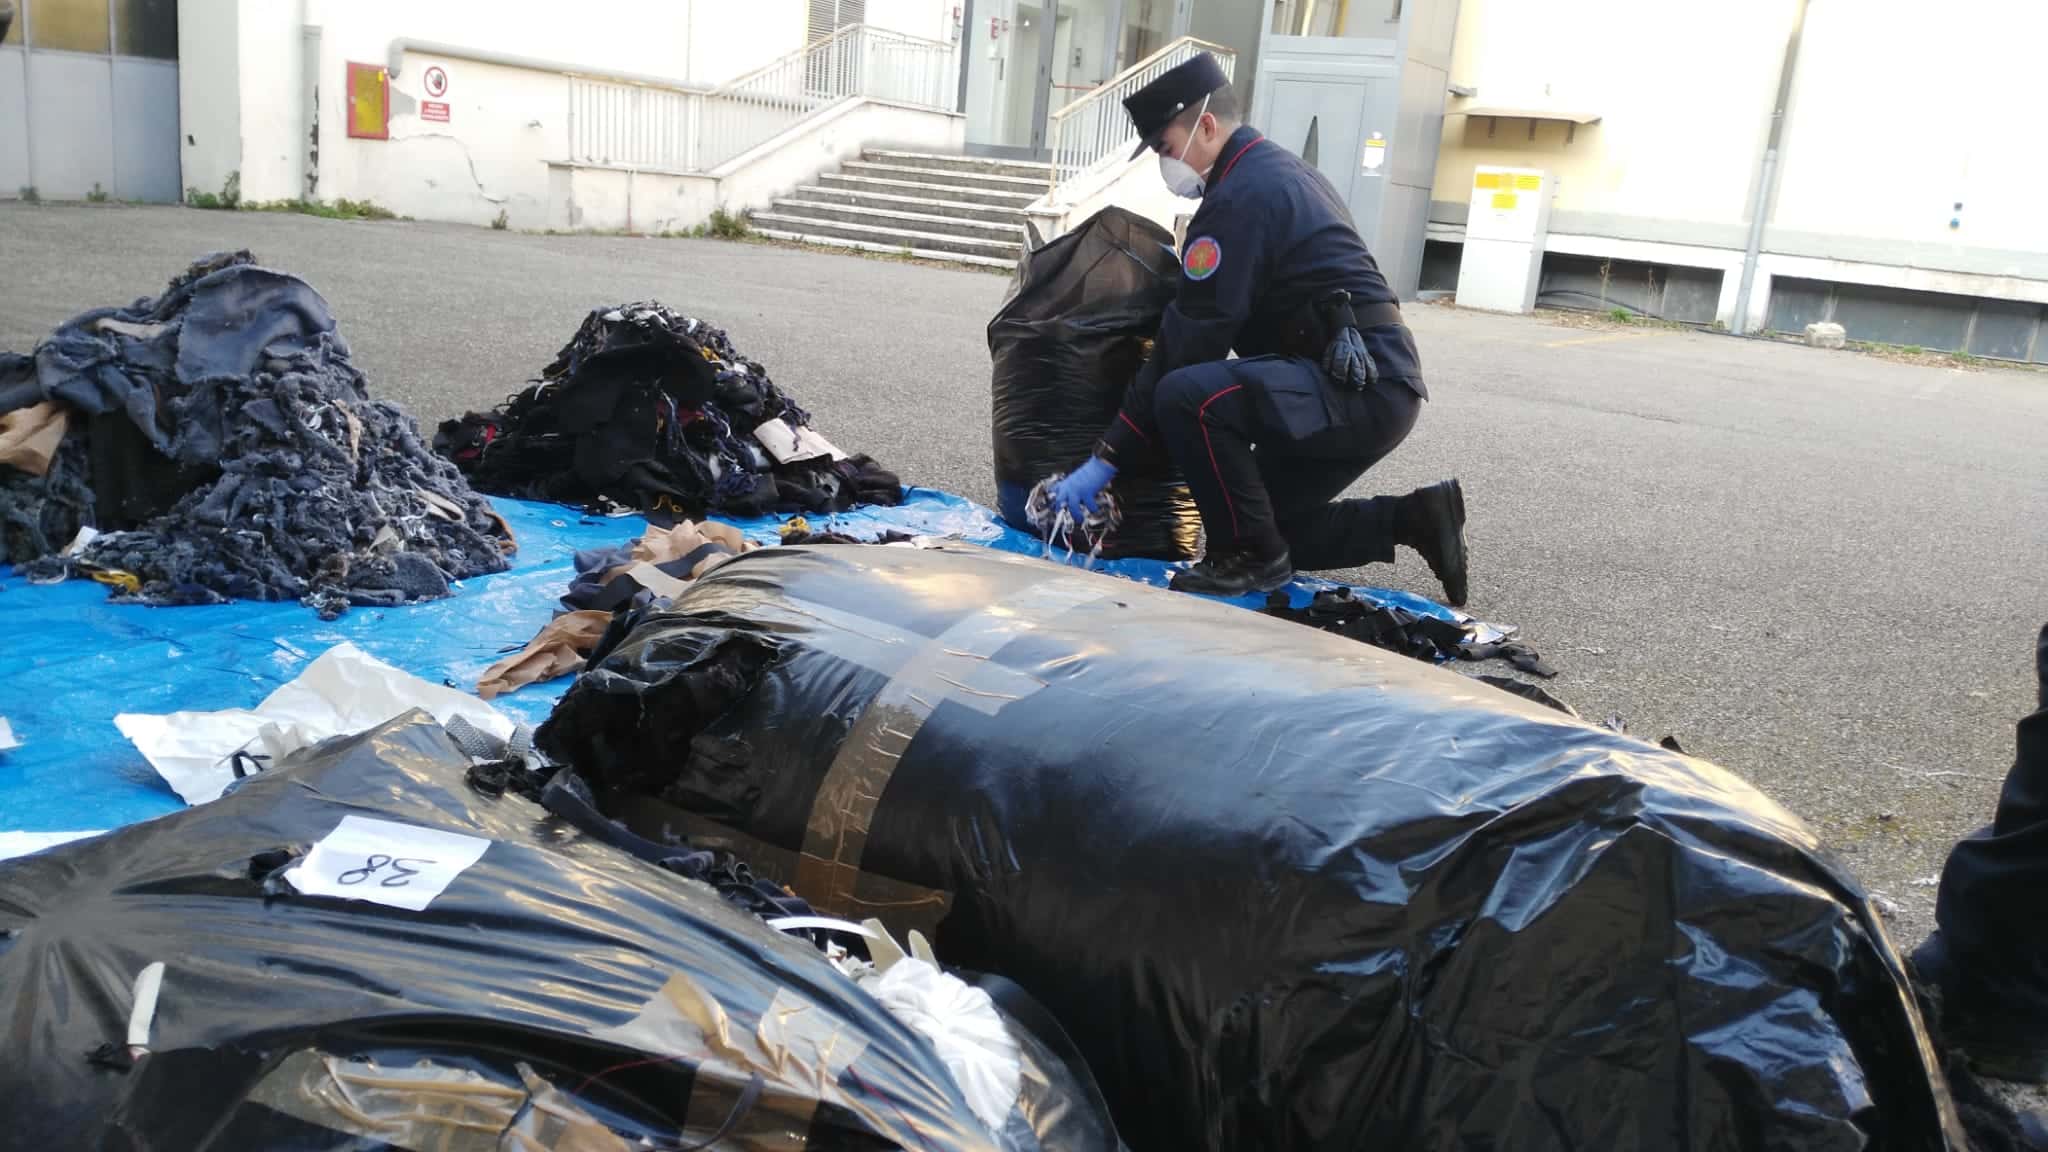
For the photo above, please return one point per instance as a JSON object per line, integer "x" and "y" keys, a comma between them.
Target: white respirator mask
{"x": 1181, "y": 178}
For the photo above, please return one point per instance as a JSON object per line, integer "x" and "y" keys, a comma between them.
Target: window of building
{"x": 1356, "y": 19}
{"x": 146, "y": 28}
{"x": 829, "y": 16}
{"x": 69, "y": 25}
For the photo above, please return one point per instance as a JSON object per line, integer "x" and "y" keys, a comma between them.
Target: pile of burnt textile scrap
{"x": 651, "y": 410}
{"x": 222, "y": 446}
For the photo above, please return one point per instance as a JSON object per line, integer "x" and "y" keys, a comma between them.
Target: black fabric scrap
{"x": 570, "y": 797}
{"x": 228, "y": 449}
{"x": 887, "y": 536}
{"x": 1396, "y": 629}
{"x": 1528, "y": 691}
{"x": 1514, "y": 652}
{"x": 589, "y": 590}
{"x": 652, "y": 410}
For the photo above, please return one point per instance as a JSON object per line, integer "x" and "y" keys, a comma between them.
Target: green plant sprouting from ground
{"x": 722, "y": 225}
{"x": 725, "y": 225}
{"x": 98, "y": 195}
{"x": 29, "y": 195}
{"x": 1620, "y": 316}
{"x": 342, "y": 209}
{"x": 502, "y": 222}
{"x": 227, "y": 200}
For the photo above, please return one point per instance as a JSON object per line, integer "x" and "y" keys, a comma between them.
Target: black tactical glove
{"x": 1347, "y": 363}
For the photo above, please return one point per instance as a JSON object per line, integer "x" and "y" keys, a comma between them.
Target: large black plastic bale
{"x": 1071, "y": 335}
{"x": 555, "y": 965}
{"x": 1286, "y": 891}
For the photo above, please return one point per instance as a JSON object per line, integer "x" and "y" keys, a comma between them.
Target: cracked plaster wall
{"x": 504, "y": 125}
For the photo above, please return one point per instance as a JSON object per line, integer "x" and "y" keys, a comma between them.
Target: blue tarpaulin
{"x": 70, "y": 660}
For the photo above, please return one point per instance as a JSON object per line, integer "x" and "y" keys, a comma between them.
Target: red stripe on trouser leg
{"x": 1202, "y": 418}
{"x": 1125, "y": 417}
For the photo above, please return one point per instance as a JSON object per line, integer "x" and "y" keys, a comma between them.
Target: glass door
{"x": 1007, "y": 65}
{"x": 1145, "y": 27}
{"x": 1026, "y": 59}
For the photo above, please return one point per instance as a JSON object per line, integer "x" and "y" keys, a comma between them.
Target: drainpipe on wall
{"x": 309, "y": 102}
{"x": 311, "y": 36}
{"x": 1767, "y": 173}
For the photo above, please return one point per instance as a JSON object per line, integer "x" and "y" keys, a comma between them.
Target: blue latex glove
{"x": 1076, "y": 492}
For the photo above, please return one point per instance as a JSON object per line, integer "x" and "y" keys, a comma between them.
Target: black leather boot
{"x": 1975, "y": 1018}
{"x": 1432, "y": 521}
{"x": 1233, "y": 574}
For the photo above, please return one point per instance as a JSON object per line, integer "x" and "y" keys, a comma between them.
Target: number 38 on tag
{"x": 383, "y": 862}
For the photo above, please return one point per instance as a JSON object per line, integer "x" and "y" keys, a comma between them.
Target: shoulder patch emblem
{"x": 1203, "y": 257}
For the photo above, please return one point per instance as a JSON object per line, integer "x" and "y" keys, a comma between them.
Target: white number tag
{"x": 385, "y": 863}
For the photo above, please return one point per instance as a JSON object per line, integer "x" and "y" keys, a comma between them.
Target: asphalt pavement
{"x": 1821, "y": 570}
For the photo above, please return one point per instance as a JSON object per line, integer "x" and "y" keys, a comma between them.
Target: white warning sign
{"x": 1375, "y": 152}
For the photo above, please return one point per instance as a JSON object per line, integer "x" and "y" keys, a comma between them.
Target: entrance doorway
{"x": 1026, "y": 59}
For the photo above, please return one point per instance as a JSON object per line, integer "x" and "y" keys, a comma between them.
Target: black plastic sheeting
{"x": 223, "y": 439}
{"x": 1073, "y": 332}
{"x": 285, "y": 1020}
{"x": 1285, "y": 891}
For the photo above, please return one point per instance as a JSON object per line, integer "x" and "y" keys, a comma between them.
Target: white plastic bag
{"x": 346, "y": 690}
{"x": 962, "y": 1023}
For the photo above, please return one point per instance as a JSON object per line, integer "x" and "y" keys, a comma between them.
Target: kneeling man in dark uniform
{"x": 1329, "y": 382}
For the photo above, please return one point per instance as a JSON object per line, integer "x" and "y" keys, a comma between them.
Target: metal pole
{"x": 1767, "y": 174}
{"x": 28, "y": 93}
{"x": 965, "y": 47}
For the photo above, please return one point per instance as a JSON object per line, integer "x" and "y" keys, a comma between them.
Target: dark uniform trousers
{"x": 1267, "y": 445}
{"x": 1993, "y": 903}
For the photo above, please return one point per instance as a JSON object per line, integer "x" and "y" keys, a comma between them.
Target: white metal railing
{"x": 681, "y": 129}
{"x": 1095, "y": 130}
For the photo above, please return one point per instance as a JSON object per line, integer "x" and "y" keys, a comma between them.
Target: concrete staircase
{"x": 961, "y": 209}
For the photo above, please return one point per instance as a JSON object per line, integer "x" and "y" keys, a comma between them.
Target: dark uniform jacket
{"x": 1271, "y": 239}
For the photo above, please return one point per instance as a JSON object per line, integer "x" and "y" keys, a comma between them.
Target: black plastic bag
{"x": 558, "y": 990}
{"x": 1068, "y": 340}
{"x": 1284, "y": 890}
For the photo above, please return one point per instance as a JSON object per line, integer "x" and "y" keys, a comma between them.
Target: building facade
{"x": 1754, "y": 164}
{"x": 1900, "y": 197}
{"x": 89, "y": 100}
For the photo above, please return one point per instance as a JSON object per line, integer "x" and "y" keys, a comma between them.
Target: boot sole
{"x": 1261, "y": 587}
{"x": 1462, "y": 568}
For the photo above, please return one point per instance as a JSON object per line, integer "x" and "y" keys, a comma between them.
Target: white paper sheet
{"x": 789, "y": 445}
{"x": 14, "y": 844}
{"x": 385, "y": 862}
{"x": 345, "y": 691}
